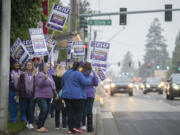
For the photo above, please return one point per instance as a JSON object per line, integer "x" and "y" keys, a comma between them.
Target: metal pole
{"x": 4, "y": 63}
{"x": 129, "y": 12}
{"x": 94, "y": 47}
{"x": 70, "y": 17}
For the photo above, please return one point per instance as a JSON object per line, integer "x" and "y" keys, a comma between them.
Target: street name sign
{"x": 100, "y": 22}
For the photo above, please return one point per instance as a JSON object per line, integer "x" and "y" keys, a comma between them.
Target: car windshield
{"x": 153, "y": 80}
{"x": 121, "y": 79}
{"x": 176, "y": 79}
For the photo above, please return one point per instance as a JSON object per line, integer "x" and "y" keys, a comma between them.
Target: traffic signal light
{"x": 157, "y": 67}
{"x": 119, "y": 64}
{"x": 139, "y": 64}
{"x": 168, "y": 14}
{"x": 148, "y": 65}
{"x": 84, "y": 25}
{"x": 129, "y": 63}
{"x": 123, "y": 17}
{"x": 86, "y": 49}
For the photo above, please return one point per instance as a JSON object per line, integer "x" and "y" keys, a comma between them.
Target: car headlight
{"x": 113, "y": 85}
{"x": 147, "y": 85}
{"x": 161, "y": 85}
{"x": 141, "y": 86}
{"x": 107, "y": 86}
{"x": 130, "y": 85}
{"x": 175, "y": 86}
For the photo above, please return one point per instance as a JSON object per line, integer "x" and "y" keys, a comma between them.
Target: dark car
{"x": 153, "y": 84}
{"x": 173, "y": 88}
{"x": 121, "y": 85}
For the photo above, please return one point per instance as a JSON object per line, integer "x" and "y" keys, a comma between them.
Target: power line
{"x": 116, "y": 34}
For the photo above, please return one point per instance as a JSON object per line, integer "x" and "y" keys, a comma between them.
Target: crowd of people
{"x": 69, "y": 93}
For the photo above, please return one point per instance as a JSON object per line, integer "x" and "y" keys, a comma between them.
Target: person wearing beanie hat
{"x": 13, "y": 99}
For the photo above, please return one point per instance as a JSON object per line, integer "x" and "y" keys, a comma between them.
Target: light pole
{"x": 4, "y": 62}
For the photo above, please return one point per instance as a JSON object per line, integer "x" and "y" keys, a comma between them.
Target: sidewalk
{"x": 50, "y": 125}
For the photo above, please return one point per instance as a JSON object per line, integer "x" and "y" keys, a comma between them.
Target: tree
{"x": 155, "y": 48}
{"x": 128, "y": 65}
{"x": 176, "y": 56}
{"x": 25, "y": 14}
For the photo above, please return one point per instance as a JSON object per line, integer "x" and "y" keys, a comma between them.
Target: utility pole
{"x": 73, "y": 16}
{"x": 94, "y": 47}
{"x": 4, "y": 62}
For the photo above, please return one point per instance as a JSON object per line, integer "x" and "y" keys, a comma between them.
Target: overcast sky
{"x": 133, "y": 37}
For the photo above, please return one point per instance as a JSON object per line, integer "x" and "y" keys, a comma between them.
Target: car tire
{"x": 160, "y": 92}
{"x": 112, "y": 94}
{"x": 171, "y": 97}
{"x": 144, "y": 92}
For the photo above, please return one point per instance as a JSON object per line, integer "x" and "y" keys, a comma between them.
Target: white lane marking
{"x": 107, "y": 115}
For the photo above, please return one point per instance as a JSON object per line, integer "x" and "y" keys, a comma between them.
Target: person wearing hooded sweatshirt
{"x": 45, "y": 90}
{"x": 73, "y": 83}
{"x": 25, "y": 90}
{"x": 90, "y": 94}
{"x": 13, "y": 99}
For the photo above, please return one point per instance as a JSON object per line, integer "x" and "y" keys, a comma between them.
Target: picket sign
{"x": 101, "y": 74}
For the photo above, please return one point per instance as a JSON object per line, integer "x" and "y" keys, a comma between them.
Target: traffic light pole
{"x": 128, "y": 12}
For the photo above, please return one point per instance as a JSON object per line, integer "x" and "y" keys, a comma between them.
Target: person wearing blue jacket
{"x": 73, "y": 82}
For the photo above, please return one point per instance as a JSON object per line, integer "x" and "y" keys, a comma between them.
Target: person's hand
{"x": 57, "y": 97}
{"x": 45, "y": 76}
{"x": 16, "y": 98}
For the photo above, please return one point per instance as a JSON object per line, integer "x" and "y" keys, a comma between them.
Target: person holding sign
{"x": 45, "y": 90}
{"x": 13, "y": 99}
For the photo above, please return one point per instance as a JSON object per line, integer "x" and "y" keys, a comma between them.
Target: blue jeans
{"x": 13, "y": 107}
{"x": 89, "y": 105}
{"x": 44, "y": 105}
{"x": 29, "y": 105}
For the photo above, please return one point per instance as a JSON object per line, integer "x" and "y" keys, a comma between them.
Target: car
{"x": 153, "y": 84}
{"x": 121, "y": 85}
{"x": 106, "y": 85}
{"x": 173, "y": 88}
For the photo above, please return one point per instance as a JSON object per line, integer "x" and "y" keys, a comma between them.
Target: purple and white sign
{"x": 79, "y": 49}
{"x": 98, "y": 54}
{"x": 58, "y": 17}
{"x": 38, "y": 42}
{"x": 18, "y": 51}
{"x": 101, "y": 74}
{"x": 29, "y": 46}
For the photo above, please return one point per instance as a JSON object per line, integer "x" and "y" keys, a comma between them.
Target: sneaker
{"x": 27, "y": 126}
{"x": 78, "y": 130}
{"x": 30, "y": 126}
{"x": 71, "y": 132}
{"x": 64, "y": 128}
{"x": 43, "y": 129}
{"x": 57, "y": 128}
{"x": 83, "y": 127}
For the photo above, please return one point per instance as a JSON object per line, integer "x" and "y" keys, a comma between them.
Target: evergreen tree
{"x": 176, "y": 56}
{"x": 155, "y": 48}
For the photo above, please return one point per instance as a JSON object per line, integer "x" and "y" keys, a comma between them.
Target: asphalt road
{"x": 149, "y": 114}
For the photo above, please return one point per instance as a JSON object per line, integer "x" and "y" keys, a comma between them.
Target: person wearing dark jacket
{"x": 73, "y": 83}
{"x": 57, "y": 104}
{"x": 14, "y": 100}
{"x": 25, "y": 90}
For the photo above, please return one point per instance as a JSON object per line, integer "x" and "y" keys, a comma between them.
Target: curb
{"x": 99, "y": 122}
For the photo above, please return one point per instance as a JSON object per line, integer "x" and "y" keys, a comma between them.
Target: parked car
{"x": 121, "y": 85}
{"x": 153, "y": 84}
{"x": 173, "y": 88}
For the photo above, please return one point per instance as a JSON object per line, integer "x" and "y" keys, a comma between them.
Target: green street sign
{"x": 100, "y": 22}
